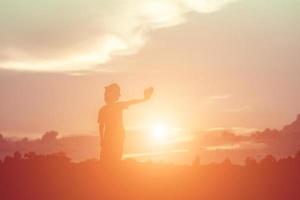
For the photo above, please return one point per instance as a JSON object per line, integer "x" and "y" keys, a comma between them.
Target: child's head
{"x": 112, "y": 93}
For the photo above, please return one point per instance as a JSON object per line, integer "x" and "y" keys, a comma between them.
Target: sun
{"x": 160, "y": 132}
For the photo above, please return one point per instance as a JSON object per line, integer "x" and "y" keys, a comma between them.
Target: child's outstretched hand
{"x": 148, "y": 92}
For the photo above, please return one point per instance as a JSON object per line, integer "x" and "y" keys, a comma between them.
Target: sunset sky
{"x": 213, "y": 63}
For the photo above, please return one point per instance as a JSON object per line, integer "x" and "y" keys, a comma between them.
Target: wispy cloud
{"x": 220, "y": 97}
{"x": 238, "y": 109}
{"x": 156, "y": 153}
{"x": 236, "y": 130}
{"x": 239, "y": 146}
{"x": 63, "y": 35}
{"x": 223, "y": 147}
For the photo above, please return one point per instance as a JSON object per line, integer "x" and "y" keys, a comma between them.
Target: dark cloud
{"x": 211, "y": 146}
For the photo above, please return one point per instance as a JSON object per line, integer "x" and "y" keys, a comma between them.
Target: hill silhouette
{"x": 294, "y": 126}
{"x": 34, "y": 177}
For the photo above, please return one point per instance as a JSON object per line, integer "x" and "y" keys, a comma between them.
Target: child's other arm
{"x": 101, "y": 126}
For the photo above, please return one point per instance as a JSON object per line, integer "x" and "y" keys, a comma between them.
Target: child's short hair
{"x": 113, "y": 92}
{"x": 113, "y": 88}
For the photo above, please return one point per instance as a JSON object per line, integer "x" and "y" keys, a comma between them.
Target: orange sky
{"x": 229, "y": 65}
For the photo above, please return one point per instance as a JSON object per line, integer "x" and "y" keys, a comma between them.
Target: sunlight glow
{"x": 160, "y": 132}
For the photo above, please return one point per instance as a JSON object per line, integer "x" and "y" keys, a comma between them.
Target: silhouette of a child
{"x": 110, "y": 119}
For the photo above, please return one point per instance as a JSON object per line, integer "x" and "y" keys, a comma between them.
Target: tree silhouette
{"x": 250, "y": 161}
{"x": 268, "y": 160}
{"x": 50, "y": 136}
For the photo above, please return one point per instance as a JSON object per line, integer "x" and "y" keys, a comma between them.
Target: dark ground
{"x": 55, "y": 177}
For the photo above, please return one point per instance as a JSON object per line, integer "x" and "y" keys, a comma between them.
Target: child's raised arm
{"x": 147, "y": 96}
